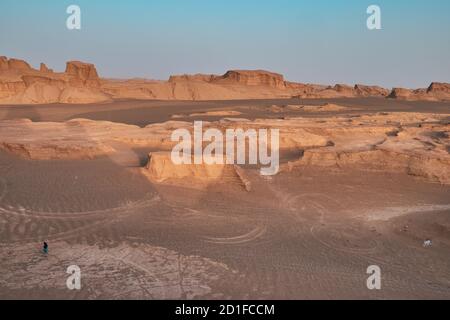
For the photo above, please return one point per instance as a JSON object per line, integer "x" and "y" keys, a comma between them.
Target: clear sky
{"x": 316, "y": 41}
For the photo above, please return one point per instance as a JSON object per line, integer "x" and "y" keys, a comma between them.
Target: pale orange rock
{"x": 391, "y": 142}
{"x": 370, "y": 91}
{"x": 43, "y": 68}
{"x": 82, "y": 84}
{"x": 21, "y": 84}
{"x": 254, "y": 78}
{"x": 435, "y": 92}
{"x": 160, "y": 168}
{"x": 16, "y": 64}
{"x": 82, "y": 74}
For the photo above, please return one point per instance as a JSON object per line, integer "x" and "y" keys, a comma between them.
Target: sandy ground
{"x": 305, "y": 234}
{"x": 144, "y": 112}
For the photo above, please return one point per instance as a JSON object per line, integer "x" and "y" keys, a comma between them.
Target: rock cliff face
{"x": 10, "y": 89}
{"x": 231, "y": 85}
{"x": 237, "y": 77}
{"x": 370, "y": 91}
{"x": 82, "y": 74}
{"x": 21, "y": 84}
{"x": 435, "y": 92}
{"x": 411, "y": 95}
{"x": 440, "y": 91}
{"x": 43, "y": 68}
{"x": 16, "y": 64}
{"x": 195, "y": 77}
{"x": 253, "y": 78}
{"x": 414, "y": 143}
{"x": 80, "y": 83}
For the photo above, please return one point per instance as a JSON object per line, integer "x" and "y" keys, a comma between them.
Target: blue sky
{"x": 316, "y": 41}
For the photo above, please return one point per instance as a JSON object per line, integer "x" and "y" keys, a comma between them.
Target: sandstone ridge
{"x": 20, "y": 83}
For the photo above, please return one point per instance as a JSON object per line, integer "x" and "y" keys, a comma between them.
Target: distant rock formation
{"x": 43, "y": 68}
{"x": 80, "y": 83}
{"x": 21, "y": 84}
{"x": 237, "y": 77}
{"x": 435, "y": 92}
{"x": 82, "y": 74}
{"x": 195, "y": 77}
{"x": 370, "y": 91}
{"x": 253, "y": 78}
{"x": 4, "y": 65}
{"x": 16, "y": 64}
{"x": 440, "y": 91}
{"x": 401, "y": 93}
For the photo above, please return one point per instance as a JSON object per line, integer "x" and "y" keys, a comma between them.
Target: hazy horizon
{"x": 323, "y": 42}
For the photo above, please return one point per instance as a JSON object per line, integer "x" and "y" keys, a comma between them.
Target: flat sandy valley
{"x": 309, "y": 232}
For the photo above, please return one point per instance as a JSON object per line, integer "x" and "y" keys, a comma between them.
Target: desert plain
{"x": 364, "y": 180}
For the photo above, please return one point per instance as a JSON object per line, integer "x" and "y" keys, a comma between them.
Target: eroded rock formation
{"x": 21, "y": 84}
{"x": 80, "y": 83}
{"x": 435, "y": 92}
{"x": 416, "y": 144}
{"x": 160, "y": 168}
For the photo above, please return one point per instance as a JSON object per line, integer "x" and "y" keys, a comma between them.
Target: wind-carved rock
{"x": 82, "y": 74}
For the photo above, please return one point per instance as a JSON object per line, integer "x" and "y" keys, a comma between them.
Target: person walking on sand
{"x": 45, "y": 248}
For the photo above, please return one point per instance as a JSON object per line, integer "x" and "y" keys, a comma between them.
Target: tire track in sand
{"x": 30, "y": 226}
{"x": 250, "y": 236}
{"x": 343, "y": 236}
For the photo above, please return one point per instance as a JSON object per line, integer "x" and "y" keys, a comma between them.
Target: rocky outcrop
{"x": 435, "y": 92}
{"x": 343, "y": 89}
{"x": 19, "y": 65}
{"x": 195, "y": 77}
{"x": 21, "y": 84}
{"x": 160, "y": 168}
{"x": 30, "y": 80}
{"x": 438, "y": 87}
{"x": 253, "y": 78}
{"x": 408, "y": 94}
{"x": 4, "y": 63}
{"x": 198, "y": 87}
{"x": 43, "y": 68}
{"x": 432, "y": 167}
{"x": 415, "y": 150}
{"x": 9, "y": 89}
{"x": 401, "y": 93}
{"x": 82, "y": 84}
{"x": 370, "y": 91}
{"x": 416, "y": 144}
{"x": 440, "y": 91}
{"x": 12, "y": 65}
{"x": 82, "y": 74}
